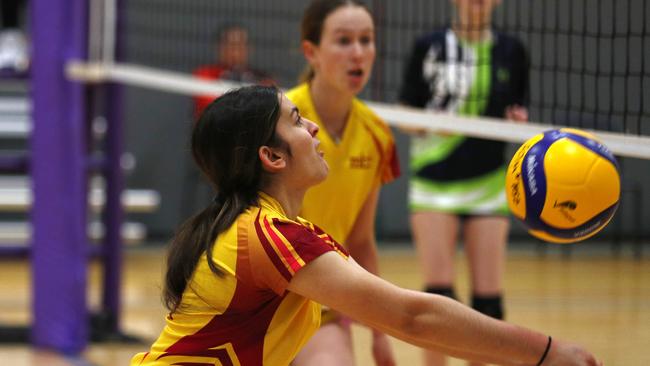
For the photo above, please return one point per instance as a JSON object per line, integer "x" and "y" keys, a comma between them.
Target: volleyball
{"x": 563, "y": 185}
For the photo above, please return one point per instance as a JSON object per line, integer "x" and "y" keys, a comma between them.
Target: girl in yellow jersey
{"x": 245, "y": 276}
{"x": 338, "y": 41}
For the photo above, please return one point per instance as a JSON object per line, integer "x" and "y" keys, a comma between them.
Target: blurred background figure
{"x": 232, "y": 52}
{"x": 457, "y": 182}
{"x": 338, "y": 42}
{"x": 14, "y": 54}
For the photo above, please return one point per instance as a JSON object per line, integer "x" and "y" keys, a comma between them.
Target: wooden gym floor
{"x": 590, "y": 297}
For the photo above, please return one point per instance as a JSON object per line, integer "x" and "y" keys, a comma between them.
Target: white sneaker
{"x": 13, "y": 50}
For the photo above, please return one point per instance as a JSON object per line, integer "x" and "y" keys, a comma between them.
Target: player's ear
{"x": 309, "y": 50}
{"x": 273, "y": 160}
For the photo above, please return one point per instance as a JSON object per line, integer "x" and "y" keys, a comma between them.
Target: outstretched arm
{"x": 426, "y": 320}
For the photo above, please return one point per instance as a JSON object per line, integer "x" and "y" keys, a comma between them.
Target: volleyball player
{"x": 459, "y": 182}
{"x": 338, "y": 41}
{"x": 245, "y": 276}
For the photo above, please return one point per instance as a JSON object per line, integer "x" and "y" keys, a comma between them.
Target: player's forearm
{"x": 446, "y": 325}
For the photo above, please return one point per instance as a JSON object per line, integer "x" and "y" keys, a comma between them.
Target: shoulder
{"x": 208, "y": 71}
{"x": 302, "y": 239}
{"x": 280, "y": 247}
{"x": 289, "y": 229}
{"x": 270, "y": 224}
{"x": 435, "y": 41}
{"x": 323, "y": 236}
{"x": 431, "y": 38}
{"x": 370, "y": 120}
{"x": 509, "y": 43}
{"x": 382, "y": 137}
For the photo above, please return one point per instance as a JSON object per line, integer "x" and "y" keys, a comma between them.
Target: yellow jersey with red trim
{"x": 245, "y": 316}
{"x": 364, "y": 158}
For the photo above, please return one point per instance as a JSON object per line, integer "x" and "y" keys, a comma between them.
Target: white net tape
{"x": 396, "y": 115}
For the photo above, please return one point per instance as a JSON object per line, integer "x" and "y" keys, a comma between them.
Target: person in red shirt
{"x": 232, "y": 51}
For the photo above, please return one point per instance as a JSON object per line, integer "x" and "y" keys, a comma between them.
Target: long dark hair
{"x": 313, "y": 19}
{"x": 225, "y": 143}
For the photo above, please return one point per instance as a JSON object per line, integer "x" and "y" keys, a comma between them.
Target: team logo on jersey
{"x": 361, "y": 162}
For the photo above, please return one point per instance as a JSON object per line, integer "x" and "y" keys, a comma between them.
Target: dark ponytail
{"x": 225, "y": 144}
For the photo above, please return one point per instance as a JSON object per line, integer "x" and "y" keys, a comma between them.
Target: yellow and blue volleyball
{"x": 563, "y": 185}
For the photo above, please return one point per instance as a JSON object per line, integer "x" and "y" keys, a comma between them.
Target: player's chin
{"x": 356, "y": 86}
{"x": 324, "y": 172}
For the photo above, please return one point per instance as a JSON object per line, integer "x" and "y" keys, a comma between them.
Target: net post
{"x": 59, "y": 247}
{"x": 114, "y": 214}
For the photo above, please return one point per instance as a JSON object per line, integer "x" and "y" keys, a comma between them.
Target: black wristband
{"x": 548, "y": 347}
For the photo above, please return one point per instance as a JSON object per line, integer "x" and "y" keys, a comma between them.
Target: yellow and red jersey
{"x": 364, "y": 158}
{"x": 246, "y": 316}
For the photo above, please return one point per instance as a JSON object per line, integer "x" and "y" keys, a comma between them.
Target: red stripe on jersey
{"x": 288, "y": 255}
{"x": 217, "y": 354}
{"x": 394, "y": 162}
{"x": 143, "y": 358}
{"x": 329, "y": 240}
{"x": 307, "y": 243}
{"x": 270, "y": 252}
{"x": 391, "y": 160}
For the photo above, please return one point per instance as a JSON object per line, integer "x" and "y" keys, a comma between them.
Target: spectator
{"x": 232, "y": 54}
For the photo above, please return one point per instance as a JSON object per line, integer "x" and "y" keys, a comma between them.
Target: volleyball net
{"x": 587, "y": 64}
{"x": 587, "y": 70}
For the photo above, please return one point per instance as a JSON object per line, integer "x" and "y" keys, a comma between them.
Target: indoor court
{"x": 589, "y": 296}
{"x": 96, "y": 173}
